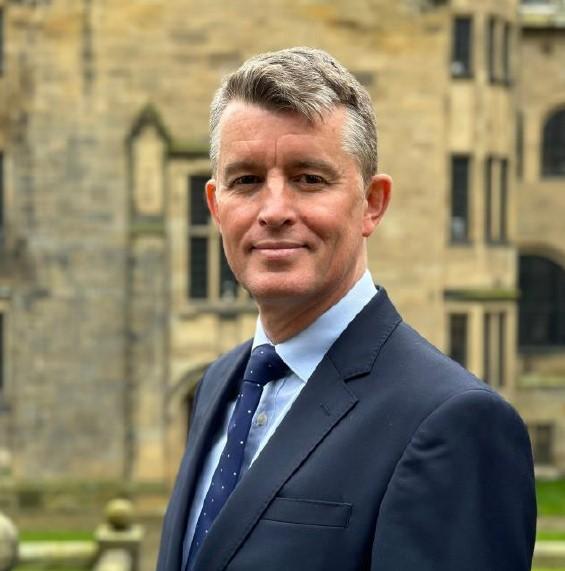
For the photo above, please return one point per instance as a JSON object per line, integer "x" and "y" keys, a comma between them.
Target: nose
{"x": 277, "y": 207}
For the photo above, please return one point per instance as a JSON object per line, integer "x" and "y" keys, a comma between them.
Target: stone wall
{"x": 103, "y": 119}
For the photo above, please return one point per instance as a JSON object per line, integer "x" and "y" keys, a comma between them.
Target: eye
{"x": 244, "y": 181}
{"x": 311, "y": 180}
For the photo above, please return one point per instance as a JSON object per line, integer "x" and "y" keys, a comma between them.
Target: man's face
{"x": 290, "y": 205}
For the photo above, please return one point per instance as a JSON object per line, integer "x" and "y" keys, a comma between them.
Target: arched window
{"x": 542, "y": 302}
{"x": 553, "y": 150}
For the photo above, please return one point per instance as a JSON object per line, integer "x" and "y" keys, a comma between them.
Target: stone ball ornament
{"x": 119, "y": 514}
{"x": 8, "y": 544}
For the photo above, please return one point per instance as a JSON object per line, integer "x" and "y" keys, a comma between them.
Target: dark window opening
{"x": 462, "y": 47}
{"x": 198, "y": 268}
{"x": 199, "y": 213}
{"x": 503, "y": 202}
{"x": 542, "y": 303}
{"x": 2, "y": 226}
{"x": 520, "y": 145}
{"x": 491, "y": 49}
{"x": 228, "y": 283}
{"x": 460, "y": 173}
{"x": 458, "y": 338}
{"x": 507, "y": 53}
{"x": 1, "y": 41}
{"x": 1, "y": 353}
{"x": 489, "y": 164}
{"x": 553, "y": 148}
{"x": 542, "y": 437}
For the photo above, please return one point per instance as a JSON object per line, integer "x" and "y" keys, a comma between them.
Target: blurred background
{"x": 114, "y": 291}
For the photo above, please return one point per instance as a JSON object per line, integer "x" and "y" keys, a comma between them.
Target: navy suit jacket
{"x": 392, "y": 458}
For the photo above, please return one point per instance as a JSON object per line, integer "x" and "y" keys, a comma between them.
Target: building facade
{"x": 114, "y": 291}
{"x": 541, "y": 235}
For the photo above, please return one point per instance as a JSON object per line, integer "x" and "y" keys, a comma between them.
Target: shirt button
{"x": 261, "y": 419}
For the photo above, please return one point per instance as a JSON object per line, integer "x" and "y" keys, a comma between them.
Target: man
{"x": 344, "y": 441}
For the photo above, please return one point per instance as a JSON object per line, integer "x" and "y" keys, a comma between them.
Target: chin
{"x": 278, "y": 289}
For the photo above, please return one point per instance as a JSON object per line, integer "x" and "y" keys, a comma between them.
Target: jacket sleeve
{"x": 462, "y": 497}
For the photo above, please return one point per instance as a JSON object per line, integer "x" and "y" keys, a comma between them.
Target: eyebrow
{"x": 239, "y": 166}
{"x": 249, "y": 165}
{"x": 321, "y": 166}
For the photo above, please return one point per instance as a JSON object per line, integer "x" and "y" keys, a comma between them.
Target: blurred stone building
{"x": 114, "y": 292}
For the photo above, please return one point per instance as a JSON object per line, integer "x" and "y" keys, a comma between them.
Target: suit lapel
{"x": 203, "y": 428}
{"x": 323, "y": 402}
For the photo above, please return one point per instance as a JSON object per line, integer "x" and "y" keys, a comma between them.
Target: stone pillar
{"x": 119, "y": 539}
{"x": 8, "y": 544}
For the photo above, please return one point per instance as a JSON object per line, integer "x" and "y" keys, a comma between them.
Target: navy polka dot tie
{"x": 264, "y": 366}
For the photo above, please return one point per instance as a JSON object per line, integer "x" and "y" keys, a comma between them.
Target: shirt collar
{"x": 303, "y": 352}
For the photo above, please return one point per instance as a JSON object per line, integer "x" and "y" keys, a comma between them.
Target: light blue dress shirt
{"x": 302, "y": 353}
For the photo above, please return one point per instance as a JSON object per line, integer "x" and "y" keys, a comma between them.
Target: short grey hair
{"x": 306, "y": 81}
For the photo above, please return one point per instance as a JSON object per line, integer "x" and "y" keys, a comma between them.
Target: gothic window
{"x": 553, "y": 148}
{"x": 542, "y": 303}
{"x": 209, "y": 275}
{"x": 460, "y": 183}
{"x": 458, "y": 337}
{"x": 462, "y": 47}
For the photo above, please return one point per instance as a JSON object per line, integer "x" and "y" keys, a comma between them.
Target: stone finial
{"x": 119, "y": 514}
{"x": 8, "y": 544}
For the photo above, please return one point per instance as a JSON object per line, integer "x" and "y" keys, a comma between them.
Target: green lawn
{"x": 543, "y": 535}
{"x": 551, "y": 498}
{"x": 59, "y": 535}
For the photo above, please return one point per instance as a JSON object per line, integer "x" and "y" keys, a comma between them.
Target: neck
{"x": 282, "y": 319}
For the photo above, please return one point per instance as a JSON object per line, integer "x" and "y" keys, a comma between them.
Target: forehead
{"x": 254, "y": 130}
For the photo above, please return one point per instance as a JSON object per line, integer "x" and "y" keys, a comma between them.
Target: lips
{"x": 277, "y": 249}
{"x": 277, "y": 245}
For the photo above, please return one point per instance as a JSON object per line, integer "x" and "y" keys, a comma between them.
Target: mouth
{"x": 278, "y": 249}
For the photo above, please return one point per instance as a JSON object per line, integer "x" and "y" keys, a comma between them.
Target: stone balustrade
{"x": 116, "y": 546}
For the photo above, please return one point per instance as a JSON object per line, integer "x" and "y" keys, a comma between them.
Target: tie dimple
{"x": 263, "y": 367}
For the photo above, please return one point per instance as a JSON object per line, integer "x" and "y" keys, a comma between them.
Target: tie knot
{"x": 264, "y": 365}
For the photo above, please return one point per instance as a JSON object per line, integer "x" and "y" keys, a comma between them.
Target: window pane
{"x": 1, "y": 352}
{"x": 542, "y": 436}
{"x": 520, "y": 144}
{"x": 542, "y": 302}
{"x": 461, "y": 59}
{"x": 458, "y": 338}
{"x": 199, "y": 213}
{"x": 198, "y": 288}
{"x": 503, "y": 200}
{"x": 1, "y": 198}
{"x": 489, "y": 162}
{"x": 487, "y": 349}
{"x": 501, "y": 349}
{"x": 228, "y": 283}
{"x": 506, "y": 52}
{"x": 1, "y": 41}
{"x": 553, "y": 159}
{"x": 459, "y": 198}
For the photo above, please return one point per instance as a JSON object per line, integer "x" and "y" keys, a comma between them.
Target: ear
{"x": 212, "y": 201}
{"x": 376, "y": 202}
